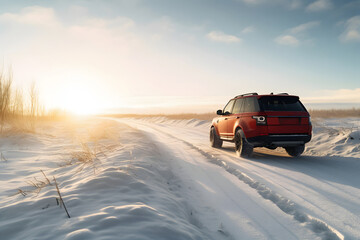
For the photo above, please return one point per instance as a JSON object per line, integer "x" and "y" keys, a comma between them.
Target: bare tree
{"x": 5, "y": 97}
{"x": 34, "y": 103}
{"x": 18, "y": 104}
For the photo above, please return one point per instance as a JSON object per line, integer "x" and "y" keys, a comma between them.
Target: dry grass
{"x": 36, "y": 184}
{"x": 321, "y": 113}
{"x": 5, "y": 97}
{"x": 21, "y": 112}
{"x": 201, "y": 116}
{"x": 61, "y": 200}
{"x": 18, "y": 125}
{"x": 94, "y": 146}
{"x": 95, "y": 138}
{"x": 335, "y": 113}
{"x": 90, "y": 155}
{"x": 3, "y": 158}
{"x": 86, "y": 154}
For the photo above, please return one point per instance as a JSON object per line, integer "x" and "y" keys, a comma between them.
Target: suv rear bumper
{"x": 284, "y": 140}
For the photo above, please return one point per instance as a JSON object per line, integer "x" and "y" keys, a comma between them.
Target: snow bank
{"x": 131, "y": 194}
{"x": 335, "y": 137}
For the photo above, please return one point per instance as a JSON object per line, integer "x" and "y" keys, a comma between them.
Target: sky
{"x": 181, "y": 56}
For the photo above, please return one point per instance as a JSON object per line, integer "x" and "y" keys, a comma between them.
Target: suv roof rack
{"x": 247, "y": 94}
{"x": 279, "y": 93}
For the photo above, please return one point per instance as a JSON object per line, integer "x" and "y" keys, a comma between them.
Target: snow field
{"x": 157, "y": 178}
{"x": 133, "y": 193}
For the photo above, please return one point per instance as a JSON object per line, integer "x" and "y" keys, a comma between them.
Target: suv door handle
{"x": 226, "y": 119}
{"x": 237, "y": 117}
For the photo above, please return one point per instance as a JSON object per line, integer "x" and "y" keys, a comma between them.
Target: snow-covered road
{"x": 157, "y": 178}
{"x": 268, "y": 196}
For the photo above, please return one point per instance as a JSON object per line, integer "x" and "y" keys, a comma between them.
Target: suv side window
{"x": 251, "y": 104}
{"x": 238, "y": 106}
{"x": 228, "y": 107}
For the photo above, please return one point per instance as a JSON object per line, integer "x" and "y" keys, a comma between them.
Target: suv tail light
{"x": 260, "y": 120}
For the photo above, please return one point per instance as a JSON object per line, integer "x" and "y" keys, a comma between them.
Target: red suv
{"x": 251, "y": 120}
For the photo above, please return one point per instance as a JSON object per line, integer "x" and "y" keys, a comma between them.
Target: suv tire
{"x": 242, "y": 147}
{"x": 215, "y": 140}
{"x": 295, "y": 151}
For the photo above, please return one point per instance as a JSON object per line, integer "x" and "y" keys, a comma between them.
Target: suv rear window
{"x": 281, "y": 103}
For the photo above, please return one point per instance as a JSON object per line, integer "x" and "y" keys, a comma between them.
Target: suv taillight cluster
{"x": 260, "y": 120}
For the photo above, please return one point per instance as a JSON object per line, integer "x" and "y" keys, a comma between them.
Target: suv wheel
{"x": 295, "y": 151}
{"x": 215, "y": 140}
{"x": 242, "y": 147}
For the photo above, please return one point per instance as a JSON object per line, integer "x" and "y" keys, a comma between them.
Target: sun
{"x": 80, "y": 99}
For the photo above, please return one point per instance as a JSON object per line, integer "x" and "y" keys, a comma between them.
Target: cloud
{"x": 164, "y": 24}
{"x": 218, "y": 36}
{"x": 162, "y": 28}
{"x": 249, "y": 29}
{"x": 114, "y": 23}
{"x": 112, "y": 56}
{"x": 304, "y": 27}
{"x": 296, "y": 35}
{"x": 254, "y": 2}
{"x": 46, "y": 17}
{"x": 294, "y": 4}
{"x": 287, "y": 40}
{"x": 290, "y": 4}
{"x": 352, "y": 30}
{"x": 34, "y": 15}
{"x": 86, "y": 51}
{"x": 319, "y": 5}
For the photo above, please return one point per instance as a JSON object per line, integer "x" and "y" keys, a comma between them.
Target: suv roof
{"x": 256, "y": 94}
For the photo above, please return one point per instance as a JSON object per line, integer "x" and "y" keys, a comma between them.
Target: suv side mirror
{"x": 219, "y": 112}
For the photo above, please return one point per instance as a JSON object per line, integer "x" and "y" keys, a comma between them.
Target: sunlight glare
{"x": 80, "y": 99}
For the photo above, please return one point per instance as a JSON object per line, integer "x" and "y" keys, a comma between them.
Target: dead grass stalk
{"x": 60, "y": 197}
{"x": 36, "y": 184}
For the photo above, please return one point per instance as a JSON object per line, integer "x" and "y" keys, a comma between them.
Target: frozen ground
{"x": 157, "y": 178}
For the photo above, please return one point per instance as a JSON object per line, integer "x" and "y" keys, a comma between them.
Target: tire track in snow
{"x": 263, "y": 227}
{"x": 325, "y": 231}
{"x": 328, "y": 199}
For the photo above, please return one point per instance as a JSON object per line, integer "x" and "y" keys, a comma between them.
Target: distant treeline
{"x": 329, "y": 113}
{"x": 335, "y": 113}
{"x": 201, "y": 116}
{"x": 19, "y": 109}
